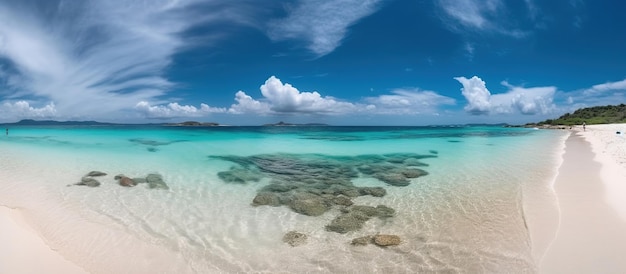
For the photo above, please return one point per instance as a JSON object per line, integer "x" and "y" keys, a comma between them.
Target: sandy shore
{"x": 24, "y": 251}
{"x": 590, "y": 237}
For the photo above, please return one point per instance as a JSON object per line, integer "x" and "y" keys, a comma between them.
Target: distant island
{"x": 192, "y": 124}
{"x": 593, "y": 115}
{"x": 283, "y": 124}
{"x": 31, "y": 122}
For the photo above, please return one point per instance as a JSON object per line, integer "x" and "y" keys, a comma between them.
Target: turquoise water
{"x": 459, "y": 195}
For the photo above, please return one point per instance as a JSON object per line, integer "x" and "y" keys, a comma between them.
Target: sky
{"x": 340, "y": 62}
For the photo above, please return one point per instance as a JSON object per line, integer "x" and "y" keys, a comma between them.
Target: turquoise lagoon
{"x": 474, "y": 211}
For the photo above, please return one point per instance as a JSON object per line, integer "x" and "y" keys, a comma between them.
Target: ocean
{"x": 222, "y": 199}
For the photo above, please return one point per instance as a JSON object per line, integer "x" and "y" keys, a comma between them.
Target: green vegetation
{"x": 593, "y": 115}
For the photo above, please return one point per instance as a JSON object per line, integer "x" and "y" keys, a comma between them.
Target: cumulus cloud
{"x": 279, "y": 98}
{"x": 75, "y": 53}
{"x": 175, "y": 110}
{"x": 320, "y": 23}
{"x": 528, "y": 101}
{"x": 284, "y": 99}
{"x": 23, "y": 109}
{"x": 477, "y": 95}
{"x": 245, "y": 104}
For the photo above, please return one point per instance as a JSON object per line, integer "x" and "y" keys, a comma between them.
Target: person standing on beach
{"x": 584, "y": 126}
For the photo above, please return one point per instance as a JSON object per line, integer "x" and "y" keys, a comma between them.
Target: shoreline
{"x": 545, "y": 248}
{"x": 589, "y": 237}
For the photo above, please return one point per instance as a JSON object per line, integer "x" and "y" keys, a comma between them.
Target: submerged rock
{"x": 347, "y": 222}
{"x": 312, "y": 184}
{"x": 387, "y": 240}
{"x": 353, "y": 218}
{"x": 381, "y": 240}
{"x": 156, "y": 181}
{"x": 266, "y": 198}
{"x": 342, "y": 200}
{"x": 365, "y": 240}
{"x": 294, "y": 238}
{"x": 125, "y": 181}
{"x": 308, "y": 204}
{"x": 96, "y": 174}
{"x": 87, "y": 181}
{"x": 239, "y": 176}
{"x": 394, "y": 179}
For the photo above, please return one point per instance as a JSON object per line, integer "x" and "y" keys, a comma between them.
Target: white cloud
{"x": 408, "y": 101}
{"x": 609, "y": 86}
{"x": 113, "y": 52}
{"x": 322, "y": 24}
{"x": 245, "y": 104}
{"x": 284, "y": 98}
{"x": 528, "y": 101}
{"x": 477, "y": 95}
{"x": 175, "y": 110}
{"x": 23, "y": 109}
{"x": 481, "y": 15}
{"x": 279, "y": 98}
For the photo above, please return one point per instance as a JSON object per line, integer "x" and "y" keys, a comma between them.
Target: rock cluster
{"x": 294, "y": 238}
{"x": 153, "y": 180}
{"x": 353, "y": 218}
{"x": 312, "y": 184}
{"x": 88, "y": 179}
{"x": 381, "y": 240}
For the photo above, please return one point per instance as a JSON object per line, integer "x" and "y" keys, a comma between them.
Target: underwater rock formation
{"x": 353, "y": 218}
{"x": 294, "y": 238}
{"x": 312, "y": 184}
{"x": 125, "y": 181}
{"x": 156, "y": 181}
{"x": 88, "y": 181}
{"x": 96, "y": 174}
{"x": 387, "y": 240}
{"x": 381, "y": 240}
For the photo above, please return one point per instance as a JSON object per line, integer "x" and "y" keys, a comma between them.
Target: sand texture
{"x": 590, "y": 237}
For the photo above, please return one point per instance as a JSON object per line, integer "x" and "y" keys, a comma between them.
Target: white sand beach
{"x": 590, "y": 188}
{"x": 24, "y": 251}
{"x": 590, "y": 236}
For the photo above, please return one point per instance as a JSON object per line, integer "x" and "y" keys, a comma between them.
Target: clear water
{"x": 466, "y": 215}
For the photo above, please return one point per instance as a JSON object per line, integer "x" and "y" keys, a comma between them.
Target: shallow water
{"x": 465, "y": 215}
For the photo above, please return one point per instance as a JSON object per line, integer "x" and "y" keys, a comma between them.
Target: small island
{"x": 193, "y": 124}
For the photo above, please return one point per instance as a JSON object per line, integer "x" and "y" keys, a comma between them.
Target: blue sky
{"x": 357, "y": 62}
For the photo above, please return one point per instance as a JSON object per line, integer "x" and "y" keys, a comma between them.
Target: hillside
{"x": 592, "y": 115}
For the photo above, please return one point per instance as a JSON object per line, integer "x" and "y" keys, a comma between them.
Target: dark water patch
{"x": 454, "y": 141}
{"x": 312, "y": 184}
{"x": 152, "y": 149}
{"x": 434, "y": 152}
{"x": 154, "y": 143}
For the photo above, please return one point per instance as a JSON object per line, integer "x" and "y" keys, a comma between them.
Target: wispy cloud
{"x": 408, "y": 101}
{"x": 479, "y": 15}
{"x": 601, "y": 94}
{"x": 321, "y": 24}
{"x": 97, "y": 57}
